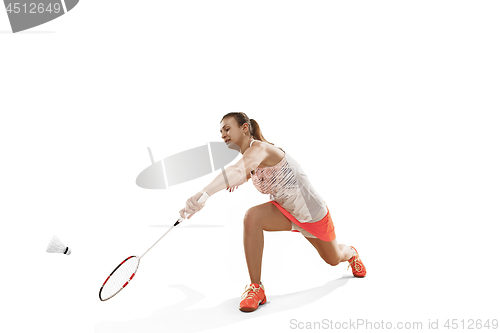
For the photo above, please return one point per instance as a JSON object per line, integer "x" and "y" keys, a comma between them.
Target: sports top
{"x": 288, "y": 185}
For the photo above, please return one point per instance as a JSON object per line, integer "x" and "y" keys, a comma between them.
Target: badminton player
{"x": 295, "y": 205}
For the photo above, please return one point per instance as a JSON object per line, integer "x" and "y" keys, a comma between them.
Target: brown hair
{"x": 253, "y": 126}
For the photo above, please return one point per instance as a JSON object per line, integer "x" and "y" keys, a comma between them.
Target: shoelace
{"x": 354, "y": 261}
{"x": 250, "y": 292}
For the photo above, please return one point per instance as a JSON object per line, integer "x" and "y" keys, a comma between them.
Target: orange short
{"x": 323, "y": 229}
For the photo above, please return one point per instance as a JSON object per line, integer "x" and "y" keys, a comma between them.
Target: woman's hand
{"x": 192, "y": 206}
{"x": 232, "y": 188}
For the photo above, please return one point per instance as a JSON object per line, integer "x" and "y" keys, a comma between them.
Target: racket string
{"x": 119, "y": 278}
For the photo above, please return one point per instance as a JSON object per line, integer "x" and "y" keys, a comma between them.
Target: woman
{"x": 294, "y": 205}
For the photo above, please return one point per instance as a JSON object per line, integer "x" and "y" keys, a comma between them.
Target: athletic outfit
{"x": 292, "y": 193}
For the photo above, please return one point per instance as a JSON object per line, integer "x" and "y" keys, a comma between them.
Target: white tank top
{"x": 288, "y": 185}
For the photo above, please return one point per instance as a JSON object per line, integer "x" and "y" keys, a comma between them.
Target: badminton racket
{"x": 121, "y": 276}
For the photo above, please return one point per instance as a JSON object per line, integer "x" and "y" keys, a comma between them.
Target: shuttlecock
{"x": 56, "y": 246}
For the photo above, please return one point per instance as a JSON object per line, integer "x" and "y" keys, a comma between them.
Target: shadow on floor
{"x": 178, "y": 318}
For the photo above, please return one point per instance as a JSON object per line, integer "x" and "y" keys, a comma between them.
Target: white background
{"x": 391, "y": 108}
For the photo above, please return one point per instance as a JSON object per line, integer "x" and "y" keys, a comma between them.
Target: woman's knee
{"x": 251, "y": 219}
{"x": 266, "y": 217}
{"x": 328, "y": 251}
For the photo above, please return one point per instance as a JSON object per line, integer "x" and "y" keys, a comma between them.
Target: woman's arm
{"x": 233, "y": 188}
{"x": 238, "y": 173}
{"x": 232, "y": 176}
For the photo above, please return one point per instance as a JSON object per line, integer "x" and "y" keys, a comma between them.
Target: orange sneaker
{"x": 358, "y": 269}
{"x": 253, "y": 296}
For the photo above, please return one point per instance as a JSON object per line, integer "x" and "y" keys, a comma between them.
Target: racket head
{"x": 119, "y": 278}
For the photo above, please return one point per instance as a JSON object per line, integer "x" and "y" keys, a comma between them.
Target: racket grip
{"x": 202, "y": 199}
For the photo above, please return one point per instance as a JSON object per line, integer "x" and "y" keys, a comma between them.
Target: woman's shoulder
{"x": 270, "y": 148}
{"x": 273, "y": 154}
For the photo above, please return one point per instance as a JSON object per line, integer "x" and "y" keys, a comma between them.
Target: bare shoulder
{"x": 273, "y": 155}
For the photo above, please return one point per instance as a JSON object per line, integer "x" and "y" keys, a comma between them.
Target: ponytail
{"x": 256, "y": 132}
{"x": 253, "y": 126}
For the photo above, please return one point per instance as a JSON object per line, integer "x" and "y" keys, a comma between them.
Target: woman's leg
{"x": 332, "y": 252}
{"x": 257, "y": 219}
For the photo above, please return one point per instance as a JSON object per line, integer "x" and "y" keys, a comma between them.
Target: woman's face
{"x": 231, "y": 133}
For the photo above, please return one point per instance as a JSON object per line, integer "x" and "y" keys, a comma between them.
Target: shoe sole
{"x": 252, "y": 309}
{"x": 247, "y": 309}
